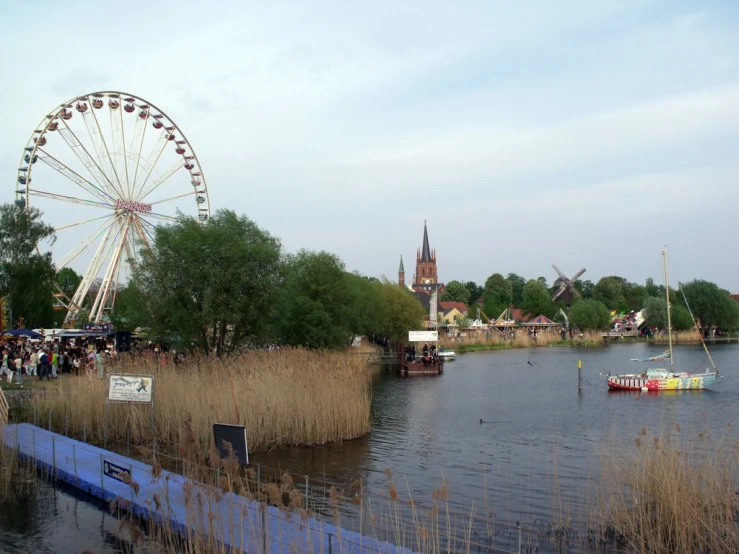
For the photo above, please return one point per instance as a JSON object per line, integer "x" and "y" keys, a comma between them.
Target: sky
{"x": 586, "y": 134}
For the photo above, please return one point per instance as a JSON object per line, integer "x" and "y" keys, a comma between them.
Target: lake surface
{"x": 539, "y": 444}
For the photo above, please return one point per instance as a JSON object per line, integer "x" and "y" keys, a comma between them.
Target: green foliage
{"x": 402, "y": 311}
{"x": 589, "y": 315}
{"x": 655, "y": 314}
{"x": 681, "y": 320}
{"x": 712, "y": 305}
{"x": 314, "y": 301}
{"x": 68, "y": 280}
{"x": 585, "y": 288}
{"x": 635, "y": 296}
{"x": 365, "y": 306}
{"x": 213, "y": 283}
{"x": 475, "y": 290}
{"x": 26, "y": 276}
{"x": 536, "y": 300}
{"x": 455, "y": 291}
{"x": 517, "y": 284}
{"x": 609, "y": 291}
{"x": 497, "y": 294}
{"x": 130, "y": 310}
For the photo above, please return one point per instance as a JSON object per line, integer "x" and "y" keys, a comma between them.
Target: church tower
{"x": 401, "y": 274}
{"x": 425, "y": 263}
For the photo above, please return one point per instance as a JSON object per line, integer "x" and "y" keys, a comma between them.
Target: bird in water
{"x": 529, "y": 362}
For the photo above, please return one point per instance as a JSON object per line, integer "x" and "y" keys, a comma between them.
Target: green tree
{"x": 655, "y": 314}
{"x": 498, "y": 290}
{"x": 313, "y": 308}
{"x": 636, "y": 296}
{"x": 712, "y": 305}
{"x": 517, "y": 284}
{"x": 26, "y": 276}
{"x": 455, "y": 291}
{"x": 365, "y": 305}
{"x": 589, "y": 315}
{"x": 403, "y": 311}
{"x": 609, "y": 292}
{"x": 68, "y": 280}
{"x": 214, "y": 283}
{"x": 536, "y": 299}
{"x": 475, "y": 291}
{"x": 130, "y": 311}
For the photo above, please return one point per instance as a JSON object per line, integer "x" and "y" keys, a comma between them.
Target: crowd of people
{"x": 41, "y": 360}
{"x": 430, "y": 354}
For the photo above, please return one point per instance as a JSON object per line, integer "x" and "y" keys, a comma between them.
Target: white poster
{"x": 423, "y": 336}
{"x": 130, "y": 388}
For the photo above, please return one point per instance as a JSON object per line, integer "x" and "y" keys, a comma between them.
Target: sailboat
{"x": 665, "y": 379}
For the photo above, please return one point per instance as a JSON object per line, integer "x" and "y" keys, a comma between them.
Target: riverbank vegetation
{"x": 284, "y": 398}
{"x": 664, "y": 494}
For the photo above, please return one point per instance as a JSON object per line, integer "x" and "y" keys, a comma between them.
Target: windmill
{"x": 565, "y": 288}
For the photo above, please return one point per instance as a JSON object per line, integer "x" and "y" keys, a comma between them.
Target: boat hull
{"x": 647, "y": 384}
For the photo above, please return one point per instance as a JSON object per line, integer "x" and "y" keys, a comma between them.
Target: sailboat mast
{"x": 669, "y": 317}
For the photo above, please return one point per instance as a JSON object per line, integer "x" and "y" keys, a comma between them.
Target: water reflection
{"x": 59, "y": 519}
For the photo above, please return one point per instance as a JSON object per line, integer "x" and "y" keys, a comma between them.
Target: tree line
{"x": 215, "y": 287}
{"x": 594, "y": 302}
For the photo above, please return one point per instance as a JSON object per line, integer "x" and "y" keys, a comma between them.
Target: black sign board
{"x": 236, "y": 436}
{"x": 114, "y": 471}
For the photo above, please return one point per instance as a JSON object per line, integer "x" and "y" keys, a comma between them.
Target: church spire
{"x": 426, "y": 249}
{"x": 401, "y": 269}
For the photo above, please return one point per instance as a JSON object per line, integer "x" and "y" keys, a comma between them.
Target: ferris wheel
{"x": 113, "y": 167}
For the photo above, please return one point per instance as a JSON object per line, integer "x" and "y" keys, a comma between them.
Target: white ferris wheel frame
{"x": 109, "y": 186}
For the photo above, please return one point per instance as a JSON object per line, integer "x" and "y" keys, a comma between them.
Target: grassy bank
{"x": 286, "y": 398}
{"x": 497, "y": 341}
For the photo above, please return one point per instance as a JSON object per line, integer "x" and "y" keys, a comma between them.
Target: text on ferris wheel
{"x": 132, "y": 206}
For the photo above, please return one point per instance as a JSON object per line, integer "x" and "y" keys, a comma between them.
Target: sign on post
{"x": 130, "y": 388}
{"x": 423, "y": 336}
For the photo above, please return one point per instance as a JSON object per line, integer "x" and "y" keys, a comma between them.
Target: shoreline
{"x": 462, "y": 347}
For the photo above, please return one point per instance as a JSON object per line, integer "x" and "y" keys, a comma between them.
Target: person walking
{"x": 43, "y": 365}
{"x": 33, "y": 363}
{"x": 99, "y": 362}
{"x": 4, "y": 367}
{"x": 19, "y": 366}
{"x": 54, "y": 364}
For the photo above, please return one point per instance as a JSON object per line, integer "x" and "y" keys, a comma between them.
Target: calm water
{"x": 536, "y": 426}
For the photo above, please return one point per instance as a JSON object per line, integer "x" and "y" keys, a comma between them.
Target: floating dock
{"x": 185, "y": 505}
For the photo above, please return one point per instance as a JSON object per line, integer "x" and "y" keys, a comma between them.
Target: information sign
{"x": 130, "y": 388}
{"x": 423, "y": 336}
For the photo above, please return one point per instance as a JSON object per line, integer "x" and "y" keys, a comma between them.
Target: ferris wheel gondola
{"x": 109, "y": 179}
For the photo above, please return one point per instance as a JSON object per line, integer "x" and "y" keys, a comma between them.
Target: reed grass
{"x": 17, "y": 479}
{"x": 662, "y": 494}
{"x": 475, "y": 342}
{"x": 283, "y": 398}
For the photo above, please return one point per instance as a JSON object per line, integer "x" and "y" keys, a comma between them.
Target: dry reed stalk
{"x": 286, "y": 398}
{"x": 663, "y": 495}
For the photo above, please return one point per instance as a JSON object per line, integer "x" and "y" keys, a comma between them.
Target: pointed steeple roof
{"x": 425, "y": 249}
{"x": 401, "y": 269}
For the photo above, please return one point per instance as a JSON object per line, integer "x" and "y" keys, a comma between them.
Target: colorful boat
{"x": 665, "y": 379}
